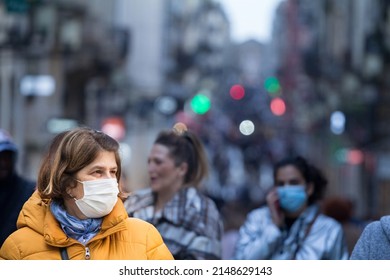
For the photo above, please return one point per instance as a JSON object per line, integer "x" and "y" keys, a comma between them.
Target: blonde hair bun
{"x": 180, "y": 128}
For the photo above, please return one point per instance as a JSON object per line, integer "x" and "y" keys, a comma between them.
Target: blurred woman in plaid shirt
{"x": 188, "y": 221}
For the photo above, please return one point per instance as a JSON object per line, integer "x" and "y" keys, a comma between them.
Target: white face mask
{"x": 99, "y": 199}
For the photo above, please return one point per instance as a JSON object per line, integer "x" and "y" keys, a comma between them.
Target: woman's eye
{"x": 295, "y": 182}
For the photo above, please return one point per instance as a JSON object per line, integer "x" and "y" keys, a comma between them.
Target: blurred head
{"x": 177, "y": 159}
{"x": 8, "y": 154}
{"x": 74, "y": 156}
{"x": 296, "y": 171}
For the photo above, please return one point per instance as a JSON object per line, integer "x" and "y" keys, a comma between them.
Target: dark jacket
{"x": 14, "y": 192}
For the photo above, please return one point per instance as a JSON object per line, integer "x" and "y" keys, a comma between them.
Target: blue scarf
{"x": 81, "y": 230}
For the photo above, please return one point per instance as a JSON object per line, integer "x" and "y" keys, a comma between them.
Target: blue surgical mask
{"x": 292, "y": 198}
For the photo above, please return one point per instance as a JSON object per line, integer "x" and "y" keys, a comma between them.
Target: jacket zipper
{"x": 87, "y": 253}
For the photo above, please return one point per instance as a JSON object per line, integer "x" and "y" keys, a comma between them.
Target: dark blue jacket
{"x": 14, "y": 192}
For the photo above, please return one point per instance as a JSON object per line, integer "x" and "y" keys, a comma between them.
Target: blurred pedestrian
{"x": 290, "y": 225}
{"x": 188, "y": 220}
{"x": 75, "y": 212}
{"x": 374, "y": 242}
{"x": 14, "y": 188}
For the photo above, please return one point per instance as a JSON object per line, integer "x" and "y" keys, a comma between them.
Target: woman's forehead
{"x": 104, "y": 159}
{"x": 289, "y": 171}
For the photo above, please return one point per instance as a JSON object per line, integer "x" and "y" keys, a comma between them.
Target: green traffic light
{"x": 272, "y": 85}
{"x": 200, "y": 104}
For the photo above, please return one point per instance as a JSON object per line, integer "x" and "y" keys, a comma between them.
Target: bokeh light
{"x": 247, "y": 127}
{"x": 237, "y": 92}
{"x": 277, "y": 106}
{"x": 272, "y": 85}
{"x": 166, "y": 105}
{"x": 200, "y": 104}
{"x": 337, "y": 122}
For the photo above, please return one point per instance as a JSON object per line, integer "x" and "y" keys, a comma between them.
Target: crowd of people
{"x": 76, "y": 209}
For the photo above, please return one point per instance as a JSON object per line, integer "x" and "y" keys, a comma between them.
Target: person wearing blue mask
{"x": 290, "y": 225}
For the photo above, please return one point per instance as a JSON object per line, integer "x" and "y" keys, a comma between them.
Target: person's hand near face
{"x": 273, "y": 204}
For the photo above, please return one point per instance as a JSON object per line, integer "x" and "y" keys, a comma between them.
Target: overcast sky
{"x": 251, "y": 19}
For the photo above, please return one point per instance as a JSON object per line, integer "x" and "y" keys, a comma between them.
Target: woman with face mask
{"x": 188, "y": 221}
{"x": 76, "y": 213}
{"x": 290, "y": 225}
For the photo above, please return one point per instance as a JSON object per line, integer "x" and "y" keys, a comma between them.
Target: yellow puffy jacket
{"x": 39, "y": 237}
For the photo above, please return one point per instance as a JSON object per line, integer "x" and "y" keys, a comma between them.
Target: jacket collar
{"x": 36, "y": 214}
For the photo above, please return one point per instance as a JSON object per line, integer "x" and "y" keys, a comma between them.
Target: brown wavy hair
{"x": 68, "y": 153}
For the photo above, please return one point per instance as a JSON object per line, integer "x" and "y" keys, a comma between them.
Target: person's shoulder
{"x": 139, "y": 199}
{"x": 194, "y": 193}
{"x": 141, "y": 192}
{"x": 140, "y": 231}
{"x": 140, "y": 228}
{"x": 376, "y": 226}
{"x": 384, "y": 220}
{"x": 138, "y": 223}
{"x": 26, "y": 183}
{"x": 375, "y": 231}
{"x": 261, "y": 213}
{"x": 328, "y": 221}
{"x": 261, "y": 210}
{"x": 24, "y": 241}
{"x": 197, "y": 198}
{"x": 143, "y": 234}
{"x": 382, "y": 225}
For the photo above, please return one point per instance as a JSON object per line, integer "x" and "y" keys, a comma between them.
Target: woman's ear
{"x": 183, "y": 168}
{"x": 69, "y": 192}
{"x": 310, "y": 189}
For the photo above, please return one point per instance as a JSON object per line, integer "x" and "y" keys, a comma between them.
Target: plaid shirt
{"x": 190, "y": 223}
